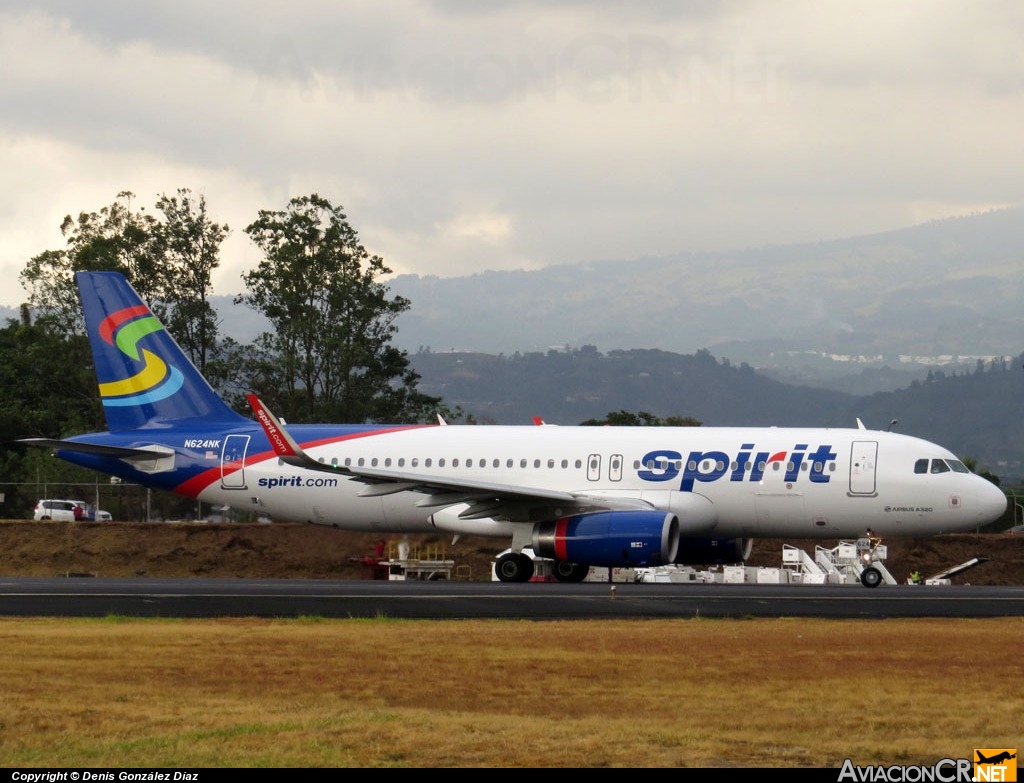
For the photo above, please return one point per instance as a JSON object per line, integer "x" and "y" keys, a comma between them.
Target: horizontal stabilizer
{"x": 117, "y": 452}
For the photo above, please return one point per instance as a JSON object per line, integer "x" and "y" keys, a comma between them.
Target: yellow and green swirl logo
{"x": 157, "y": 380}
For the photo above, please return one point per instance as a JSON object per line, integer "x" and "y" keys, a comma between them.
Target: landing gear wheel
{"x": 514, "y": 567}
{"x": 570, "y": 572}
{"x": 871, "y": 577}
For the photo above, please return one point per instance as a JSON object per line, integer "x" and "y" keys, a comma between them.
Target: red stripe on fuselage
{"x": 207, "y": 478}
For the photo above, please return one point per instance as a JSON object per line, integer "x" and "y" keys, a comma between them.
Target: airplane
{"x": 999, "y": 757}
{"x": 578, "y": 495}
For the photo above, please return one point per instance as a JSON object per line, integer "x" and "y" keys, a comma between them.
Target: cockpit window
{"x": 940, "y": 466}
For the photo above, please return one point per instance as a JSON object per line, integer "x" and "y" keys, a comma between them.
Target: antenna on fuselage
{"x": 892, "y": 424}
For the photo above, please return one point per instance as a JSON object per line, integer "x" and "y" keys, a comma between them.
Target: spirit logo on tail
{"x": 157, "y": 380}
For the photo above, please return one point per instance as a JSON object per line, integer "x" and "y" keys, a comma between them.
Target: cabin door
{"x": 232, "y": 462}
{"x": 863, "y": 456}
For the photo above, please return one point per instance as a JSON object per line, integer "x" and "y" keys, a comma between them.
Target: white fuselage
{"x": 722, "y": 482}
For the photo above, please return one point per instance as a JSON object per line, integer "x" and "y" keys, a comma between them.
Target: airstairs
{"x": 803, "y": 568}
{"x": 855, "y": 560}
{"x": 845, "y": 563}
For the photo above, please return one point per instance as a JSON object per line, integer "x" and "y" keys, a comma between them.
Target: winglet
{"x": 282, "y": 443}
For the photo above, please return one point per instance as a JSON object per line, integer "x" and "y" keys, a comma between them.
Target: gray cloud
{"x": 464, "y": 136}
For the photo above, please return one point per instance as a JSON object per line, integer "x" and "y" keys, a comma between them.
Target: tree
{"x": 117, "y": 238}
{"x": 640, "y": 419}
{"x": 330, "y": 355}
{"x": 187, "y": 245}
{"x": 169, "y": 261}
{"x": 47, "y": 389}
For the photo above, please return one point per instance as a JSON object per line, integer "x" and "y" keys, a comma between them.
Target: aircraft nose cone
{"x": 991, "y": 501}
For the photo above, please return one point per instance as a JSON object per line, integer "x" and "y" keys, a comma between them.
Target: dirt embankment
{"x": 279, "y": 551}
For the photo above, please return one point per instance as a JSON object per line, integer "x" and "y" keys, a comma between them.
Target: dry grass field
{"x": 695, "y": 693}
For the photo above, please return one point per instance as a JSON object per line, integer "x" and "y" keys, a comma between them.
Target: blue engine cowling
{"x": 713, "y": 551}
{"x": 610, "y": 538}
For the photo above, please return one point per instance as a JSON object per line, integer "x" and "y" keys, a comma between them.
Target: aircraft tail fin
{"x": 145, "y": 378}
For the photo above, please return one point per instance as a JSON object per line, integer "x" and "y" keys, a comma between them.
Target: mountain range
{"x": 938, "y": 294}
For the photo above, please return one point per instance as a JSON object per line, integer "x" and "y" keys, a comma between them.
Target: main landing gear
{"x": 514, "y": 567}
{"x": 520, "y": 567}
{"x": 569, "y": 572}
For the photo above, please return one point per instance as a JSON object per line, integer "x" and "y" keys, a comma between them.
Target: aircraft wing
{"x": 484, "y": 498}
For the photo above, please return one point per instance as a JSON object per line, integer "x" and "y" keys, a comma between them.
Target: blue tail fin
{"x": 145, "y": 379}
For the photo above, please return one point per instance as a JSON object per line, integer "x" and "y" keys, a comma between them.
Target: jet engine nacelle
{"x": 713, "y": 551}
{"x": 614, "y": 539}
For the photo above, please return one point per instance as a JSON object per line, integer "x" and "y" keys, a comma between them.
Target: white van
{"x": 57, "y": 510}
{"x": 64, "y": 511}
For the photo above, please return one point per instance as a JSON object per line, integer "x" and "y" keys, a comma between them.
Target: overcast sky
{"x": 462, "y": 136}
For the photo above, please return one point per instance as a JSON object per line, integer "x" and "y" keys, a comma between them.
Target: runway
{"x": 210, "y": 598}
